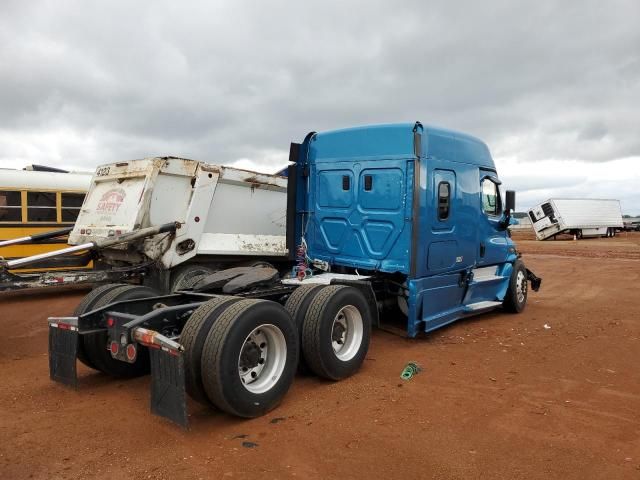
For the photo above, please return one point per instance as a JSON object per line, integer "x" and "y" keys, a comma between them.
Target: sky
{"x": 553, "y": 88}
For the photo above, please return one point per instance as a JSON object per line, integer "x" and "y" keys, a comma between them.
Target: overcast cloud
{"x": 552, "y": 87}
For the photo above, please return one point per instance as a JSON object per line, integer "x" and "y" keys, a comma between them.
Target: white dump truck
{"x": 169, "y": 220}
{"x": 582, "y": 217}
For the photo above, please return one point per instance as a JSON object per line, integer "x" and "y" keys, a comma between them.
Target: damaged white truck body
{"x": 211, "y": 215}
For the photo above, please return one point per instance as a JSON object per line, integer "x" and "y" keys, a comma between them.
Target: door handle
{"x": 482, "y": 249}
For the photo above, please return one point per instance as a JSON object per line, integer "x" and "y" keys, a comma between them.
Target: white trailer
{"x": 582, "y": 217}
{"x": 223, "y": 216}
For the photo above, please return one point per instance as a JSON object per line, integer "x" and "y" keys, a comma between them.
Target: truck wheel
{"x": 192, "y": 339}
{"x": 188, "y": 276}
{"x": 516, "y": 297}
{"x": 96, "y": 344}
{"x": 297, "y": 305}
{"x": 254, "y": 264}
{"x": 86, "y": 305}
{"x": 403, "y": 299}
{"x": 249, "y": 358}
{"x": 336, "y": 332}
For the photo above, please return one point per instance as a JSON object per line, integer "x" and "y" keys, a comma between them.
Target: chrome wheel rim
{"x": 347, "y": 331}
{"x": 521, "y": 286}
{"x": 262, "y": 358}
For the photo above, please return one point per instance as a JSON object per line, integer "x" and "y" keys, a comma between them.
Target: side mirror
{"x": 509, "y": 206}
{"x": 510, "y": 200}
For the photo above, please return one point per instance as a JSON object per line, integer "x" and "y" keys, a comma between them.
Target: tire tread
{"x": 189, "y": 338}
{"x": 212, "y": 352}
{"x": 311, "y": 331}
{"x": 90, "y": 298}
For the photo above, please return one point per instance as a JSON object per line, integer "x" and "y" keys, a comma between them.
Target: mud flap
{"x": 535, "y": 280}
{"x": 168, "y": 394}
{"x": 63, "y": 348}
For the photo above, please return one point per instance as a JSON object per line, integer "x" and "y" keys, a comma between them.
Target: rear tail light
{"x": 114, "y": 347}
{"x": 132, "y": 351}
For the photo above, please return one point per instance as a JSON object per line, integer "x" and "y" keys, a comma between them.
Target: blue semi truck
{"x": 403, "y": 224}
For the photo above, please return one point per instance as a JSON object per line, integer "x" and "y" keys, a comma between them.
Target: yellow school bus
{"x": 33, "y": 202}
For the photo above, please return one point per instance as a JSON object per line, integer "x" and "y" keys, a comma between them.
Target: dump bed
{"x": 221, "y": 210}
{"x": 130, "y": 195}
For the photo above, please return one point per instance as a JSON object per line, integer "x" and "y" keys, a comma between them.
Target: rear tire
{"x": 297, "y": 305}
{"x": 516, "y": 297}
{"x": 86, "y": 305}
{"x": 249, "y": 358}
{"x": 336, "y": 332}
{"x": 188, "y": 276}
{"x": 96, "y": 344}
{"x": 193, "y": 337}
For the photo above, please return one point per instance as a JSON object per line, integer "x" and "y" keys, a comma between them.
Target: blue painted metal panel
{"x": 367, "y": 228}
{"x": 376, "y": 220}
{"x": 375, "y": 142}
{"x": 493, "y": 290}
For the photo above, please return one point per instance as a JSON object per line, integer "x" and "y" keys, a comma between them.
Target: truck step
{"x": 487, "y": 278}
{"x": 474, "y": 307}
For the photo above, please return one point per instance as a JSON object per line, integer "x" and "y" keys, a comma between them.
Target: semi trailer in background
{"x": 392, "y": 222}
{"x": 582, "y": 217}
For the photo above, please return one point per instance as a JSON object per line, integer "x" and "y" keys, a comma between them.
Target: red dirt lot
{"x": 500, "y": 396}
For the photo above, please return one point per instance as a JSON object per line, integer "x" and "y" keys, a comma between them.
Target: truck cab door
{"x": 451, "y": 234}
{"x": 451, "y": 237}
{"x": 492, "y": 236}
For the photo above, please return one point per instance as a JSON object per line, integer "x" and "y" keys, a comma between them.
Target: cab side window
{"x": 491, "y": 204}
{"x": 444, "y": 199}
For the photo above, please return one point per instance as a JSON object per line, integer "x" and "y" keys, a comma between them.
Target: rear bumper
{"x": 168, "y": 392}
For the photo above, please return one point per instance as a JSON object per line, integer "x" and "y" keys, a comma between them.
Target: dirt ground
{"x": 551, "y": 393}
